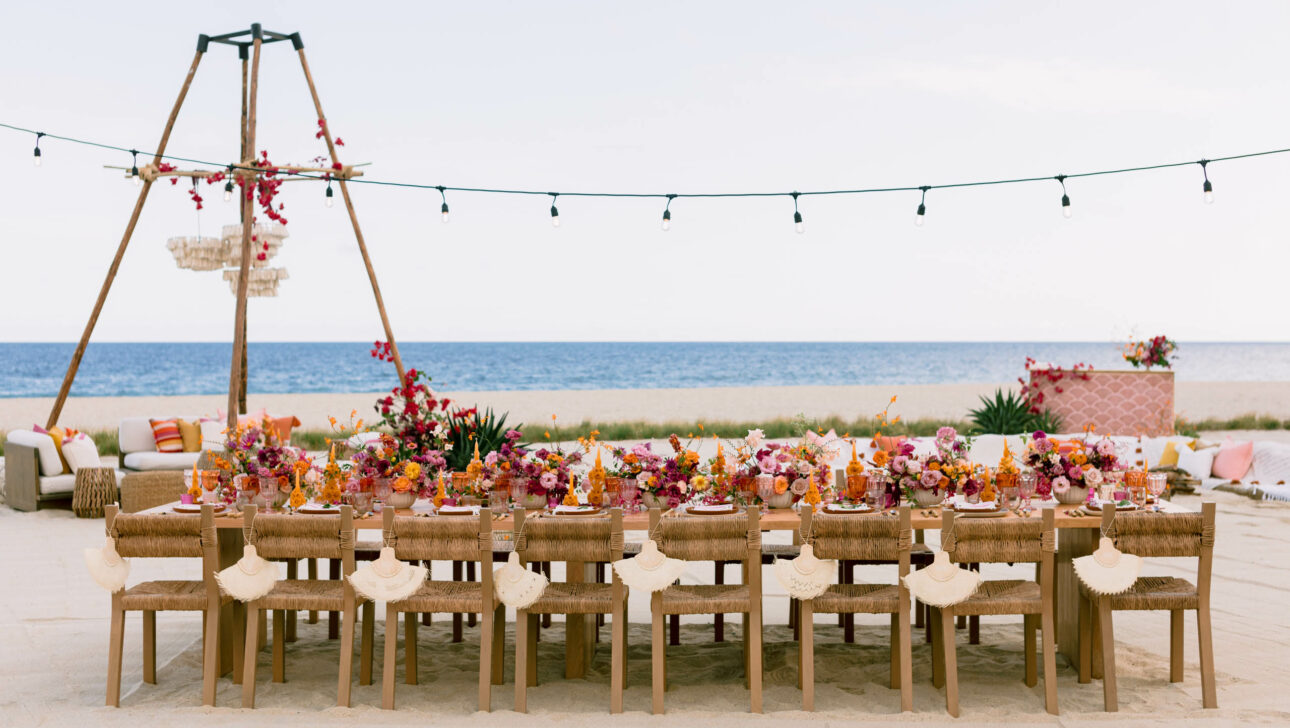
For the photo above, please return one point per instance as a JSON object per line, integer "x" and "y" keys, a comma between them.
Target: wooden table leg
{"x": 1071, "y": 543}
{"x": 230, "y": 550}
{"x": 578, "y": 644}
{"x": 333, "y": 624}
{"x": 456, "y": 618}
{"x": 470, "y": 576}
{"x": 719, "y": 620}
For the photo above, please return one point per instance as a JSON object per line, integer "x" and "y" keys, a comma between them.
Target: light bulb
{"x": 922, "y": 212}
{"x": 36, "y": 159}
{"x": 798, "y": 225}
{"x": 1066, "y": 207}
{"x": 138, "y": 181}
{"x": 555, "y": 215}
{"x": 1209, "y": 193}
{"x": 444, "y": 211}
{"x": 328, "y": 199}
{"x": 329, "y": 202}
{"x": 667, "y": 220}
{"x": 228, "y": 191}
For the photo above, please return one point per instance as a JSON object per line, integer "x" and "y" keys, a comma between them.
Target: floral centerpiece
{"x": 377, "y": 470}
{"x": 638, "y": 463}
{"x": 541, "y": 477}
{"x": 1153, "y": 352}
{"x": 785, "y": 472}
{"x": 671, "y": 483}
{"x": 259, "y": 465}
{"x": 715, "y": 484}
{"x": 943, "y": 473}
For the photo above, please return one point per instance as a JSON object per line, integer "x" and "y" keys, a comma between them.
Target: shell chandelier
{"x": 225, "y": 252}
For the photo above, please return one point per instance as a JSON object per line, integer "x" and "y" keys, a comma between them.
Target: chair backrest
{"x": 294, "y": 536}
{"x": 999, "y": 540}
{"x": 859, "y": 538}
{"x": 1161, "y": 534}
{"x": 570, "y": 538}
{"x": 161, "y": 536}
{"x": 709, "y": 538}
{"x": 439, "y": 538}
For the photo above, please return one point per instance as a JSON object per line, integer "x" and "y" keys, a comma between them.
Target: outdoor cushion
{"x": 45, "y": 450}
{"x": 57, "y": 434}
{"x": 212, "y": 434}
{"x": 160, "y": 460}
{"x": 166, "y": 434}
{"x": 81, "y": 452}
{"x": 1233, "y": 460}
{"x": 135, "y": 435}
{"x": 1271, "y": 462}
{"x": 65, "y": 483}
{"x": 1197, "y": 463}
{"x": 190, "y": 434}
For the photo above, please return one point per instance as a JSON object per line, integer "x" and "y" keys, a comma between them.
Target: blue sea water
{"x": 118, "y": 369}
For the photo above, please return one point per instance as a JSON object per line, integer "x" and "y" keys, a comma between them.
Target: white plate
{"x": 962, "y": 505}
{"x": 458, "y": 510}
{"x": 195, "y": 507}
{"x": 1097, "y": 506}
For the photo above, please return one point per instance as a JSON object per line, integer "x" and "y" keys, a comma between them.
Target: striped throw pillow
{"x": 166, "y": 433}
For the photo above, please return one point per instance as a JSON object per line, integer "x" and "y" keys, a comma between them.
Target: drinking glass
{"x": 1011, "y": 496}
{"x": 1156, "y": 485}
{"x": 875, "y": 490}
{"x": 630, "y": 494}
{"x": 1026, "y": 484}
{"x": 362, "y": 501}
{"x": 765, "y": 487}
{"x": 499, "y": 503}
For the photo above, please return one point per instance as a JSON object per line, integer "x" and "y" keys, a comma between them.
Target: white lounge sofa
{"x": 138, "y": 446}
{"x": 33, "y": 474}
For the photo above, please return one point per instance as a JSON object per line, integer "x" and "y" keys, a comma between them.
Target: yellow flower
{"x": 412, "y": 471}
{"x": 699, "y": 483}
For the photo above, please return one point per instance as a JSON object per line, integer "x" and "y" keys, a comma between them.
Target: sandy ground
{"x": 1196, "y": 400}
{"x": 54, "y": 662}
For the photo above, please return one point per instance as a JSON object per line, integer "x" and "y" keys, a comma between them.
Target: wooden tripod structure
{"x": 248, "y": 43}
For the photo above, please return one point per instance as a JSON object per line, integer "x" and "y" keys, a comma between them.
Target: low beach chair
{"x": 294, "y": 537}
{"x": 990, "y": 541}
{"x": 710, "y": 538}
{"x": 1154, "y": 535}
{"x": 579, "y": 539}
{"x": 444, "y": 538}
{"x": 859, "y": 539}
{"x": 166, "y": 536}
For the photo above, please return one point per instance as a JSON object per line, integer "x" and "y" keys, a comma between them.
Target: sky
{"x": 670, "y": 97}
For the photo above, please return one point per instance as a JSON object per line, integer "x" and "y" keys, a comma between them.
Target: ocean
{"x": 122, "y": 369}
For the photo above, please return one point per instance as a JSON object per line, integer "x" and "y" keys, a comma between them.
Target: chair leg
{"x": 658, "y": 654}
{"x": 486, "y": 624}
{"x": 210, "y": 656}
{"x": 617, "y": 662}
{"x": 1175, "y": 645}
{"x": 1095, "y": 662}
{"x": 719, "y": 620}
{"x": 545, "y": 567}
{"x": 806, "y": 652}
{"x": 755, "y": 660}
{"x": 928, "y": 629}
{"x": 849, "y": 620}
{"x": 279, "y": 646}
{"x": 470, "y": 576}
{"x": 499, "y": 644}
{"x": 333, "y": 618}
{"x": 1048, "y": 639}
{"x": 313, "y": 576}
{"x": 674, "y": 629}
{"x": 951, "y": 665}
{"x": 116, "y": 641}
{"x": 934, "y": 617}
{"x": 238, "y": 639}
{"x": 365, "y": 649}
{"x": 390, "y": 656}
{"x": 456, "y": 618}
{"x": 150, "y": 647}
{"x": 293, "y": 572}
{"x": 345, "y": 678}
{"x": 535, "y": 622}
{"x": 1209, "y": 694}
{"x": 906, "y": 664}
{"x": 1028, "y": 628}
{"x": 626, "y": 626}
{"x": 249, "y": 653}
{"x": 895, "y": 653}
{"x": 974, "y": 630}
{"x": 409, "y": 648}
{"x": 522, "y": 627}
{"x": 1108, "y": 654}
{"x": 1085, "y": 641}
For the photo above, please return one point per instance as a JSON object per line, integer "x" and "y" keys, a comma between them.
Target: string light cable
{"x": 670, "y": 196}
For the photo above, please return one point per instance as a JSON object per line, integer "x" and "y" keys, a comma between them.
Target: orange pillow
{"x": 283, "y": 425}
{"x": 166, "y": 433}
{"x": 57, "y": 434}
{"x": 888, "y": 443}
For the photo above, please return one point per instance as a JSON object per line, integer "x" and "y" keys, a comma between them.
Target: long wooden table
{"x": 1077, "y": 536}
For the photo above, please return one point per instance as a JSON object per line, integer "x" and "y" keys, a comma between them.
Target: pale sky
{"x": 671, "y": 97}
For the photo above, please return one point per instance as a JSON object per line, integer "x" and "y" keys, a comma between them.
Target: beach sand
{"x": 56, "y": 623}
{"x": 1196, "y": 401}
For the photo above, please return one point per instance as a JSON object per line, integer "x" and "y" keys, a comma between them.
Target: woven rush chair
{"x": 294, "y": 537}
{"x": 444, "y": 538}
{"x": 1000, "y": 540}
{"x": 1154, "y": 535}
{"x": 710, "y": 538}
{"x": 164, "y": 536}
{"x": 584, "y": 539}
{"x": 860, "y": 539}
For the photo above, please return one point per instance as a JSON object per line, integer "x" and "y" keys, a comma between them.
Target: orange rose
{"x": 880, "y": 458}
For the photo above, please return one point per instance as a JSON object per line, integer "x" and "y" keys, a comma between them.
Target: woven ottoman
{"x": 95, "y": 488}
{"x": 141, "y": 491}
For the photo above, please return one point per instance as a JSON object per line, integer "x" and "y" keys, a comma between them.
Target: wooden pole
{"x": 241, "y": 390}
{"x": 120, "y": 250}
{"x": 248, "y": 197}
{"x": 353, "y": 218}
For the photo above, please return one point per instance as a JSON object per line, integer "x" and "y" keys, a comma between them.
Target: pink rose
{"x": 548, "y": 480}
{"x": 1061, "y": 484}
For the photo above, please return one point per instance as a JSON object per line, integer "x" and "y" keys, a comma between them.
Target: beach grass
{"x": 316, "y": 440}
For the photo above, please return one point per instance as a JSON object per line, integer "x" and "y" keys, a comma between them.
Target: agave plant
{"x": 1005, "y": 414}
{"x": 1048, "y": 421}
{"x": 467, "y": 427}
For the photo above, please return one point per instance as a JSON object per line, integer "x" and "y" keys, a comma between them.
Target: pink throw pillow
{"x": 1233, "y": 460}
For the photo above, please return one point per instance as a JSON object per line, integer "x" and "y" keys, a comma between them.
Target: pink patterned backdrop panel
{"x": 1117, "y": 403}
